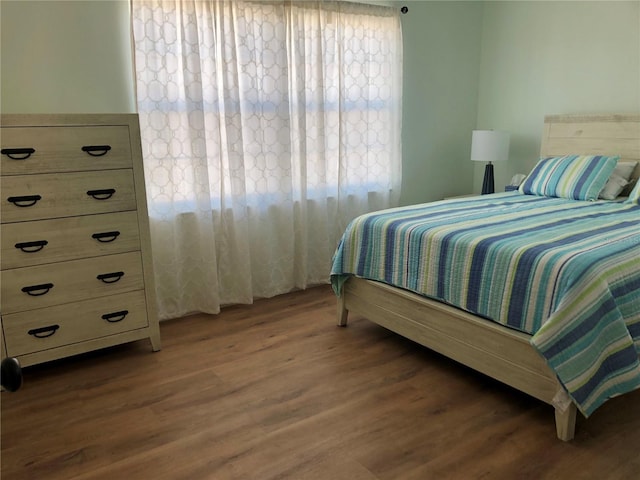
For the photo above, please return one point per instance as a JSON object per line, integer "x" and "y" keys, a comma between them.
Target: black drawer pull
{"x": 106, "y": 237}
{"x": 25, "y": 200}
{"x": 96, "y": 150}
{"x": 115, "y": 316}
{"x": 18, "y": 153}
{"x": 103, "y": 194}
{"x": 37, "y": 290}
{"x": 43, "y": 332}
{"x": 31, "y": 247}
{"x": 112, "y": 277}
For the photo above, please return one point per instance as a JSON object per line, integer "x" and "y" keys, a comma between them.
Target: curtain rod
{"x": 404, "y": 9}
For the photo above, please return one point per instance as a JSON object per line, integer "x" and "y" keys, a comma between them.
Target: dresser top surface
{"x": 66, "y": 119}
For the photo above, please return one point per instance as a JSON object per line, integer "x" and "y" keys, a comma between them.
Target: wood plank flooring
{"x": 276, "y": 391}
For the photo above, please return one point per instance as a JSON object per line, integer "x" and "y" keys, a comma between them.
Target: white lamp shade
{"x": 489, "y": 146}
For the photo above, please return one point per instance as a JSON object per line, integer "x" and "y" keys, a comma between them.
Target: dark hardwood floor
{"x": 276, "y": 391}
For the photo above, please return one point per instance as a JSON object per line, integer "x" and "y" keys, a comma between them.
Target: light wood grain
{"x": 488, "y": 347}
{"x": 275, "y": 391}
{"x": 77, "y": 323}
{"x": 501, "y": 353}
{"x": 63, "y": 221}
{"x": 71, "y": 281}
{"x": 59, "y": 149}
{"x": 69, "y": 238}
{"x": 143, "y": 229}
{"x": 593, "y": 135}
{"x": 65, "y": 195}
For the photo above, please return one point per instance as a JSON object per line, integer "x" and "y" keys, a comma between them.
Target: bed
{"x": 530, "y": 354}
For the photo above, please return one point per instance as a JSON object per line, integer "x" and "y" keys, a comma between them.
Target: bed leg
{"x": 342, "y": 312}
{"x": 566, "y": 423}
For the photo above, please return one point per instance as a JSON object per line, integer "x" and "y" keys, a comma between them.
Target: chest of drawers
{"x": 76, "y": 272}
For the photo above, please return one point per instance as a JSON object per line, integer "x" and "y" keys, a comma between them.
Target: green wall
{"x": 542, "y": 58}
{"x": 500, "y": 65}
{"x": 441, "y": 71}
{"x": 66, "y": 57}
{"x": 75, "y": 56}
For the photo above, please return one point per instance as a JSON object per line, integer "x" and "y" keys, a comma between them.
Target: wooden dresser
{"x": 76, "y": 272}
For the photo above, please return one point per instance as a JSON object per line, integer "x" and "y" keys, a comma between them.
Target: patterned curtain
{"x": 266, "y": 127}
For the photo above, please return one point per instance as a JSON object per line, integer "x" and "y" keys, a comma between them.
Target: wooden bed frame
{"x": 488, "y": 347}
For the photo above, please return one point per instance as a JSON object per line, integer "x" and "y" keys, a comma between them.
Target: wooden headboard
{"x": 593, "y": 135}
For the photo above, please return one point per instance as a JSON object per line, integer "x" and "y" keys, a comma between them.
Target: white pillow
{"x": 625, "y": 169}
{"x": 615, "y": 184}
{"x": 613, "y": 187}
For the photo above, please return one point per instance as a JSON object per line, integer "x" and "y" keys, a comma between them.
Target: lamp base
{"x": 487, "y": 184}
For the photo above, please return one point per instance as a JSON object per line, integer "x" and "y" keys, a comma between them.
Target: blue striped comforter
{"x": 567, "y": 272}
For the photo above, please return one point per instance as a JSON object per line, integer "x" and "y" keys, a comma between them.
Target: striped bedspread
{"x": 567, "y": 272}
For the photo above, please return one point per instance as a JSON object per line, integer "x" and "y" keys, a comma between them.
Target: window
{"x": 266, "y": 127}
{"x": 303, "y": 98}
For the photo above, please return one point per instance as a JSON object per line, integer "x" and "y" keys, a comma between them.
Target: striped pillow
{"x": 634, "y": 196}
{"x": 579, "y": 177}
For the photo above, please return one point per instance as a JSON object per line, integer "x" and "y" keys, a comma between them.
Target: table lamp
{"x": 489, "y": 146}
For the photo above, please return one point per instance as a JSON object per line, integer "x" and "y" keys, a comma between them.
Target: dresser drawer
{"x": 57, "y": 283}
{"x": 37, "y": 197}
{"x": 42, "y": 329}
{"x": 45, "y": 241}
{"x": 64, "y": 149}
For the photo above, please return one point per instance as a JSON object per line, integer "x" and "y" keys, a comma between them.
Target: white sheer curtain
{"x": 266, "y": 127}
